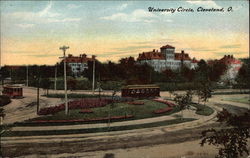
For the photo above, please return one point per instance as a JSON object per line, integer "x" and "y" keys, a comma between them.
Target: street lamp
{"x": 64, "y": 48}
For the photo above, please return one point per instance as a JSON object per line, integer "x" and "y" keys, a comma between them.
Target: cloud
{"x": 24, "y": 26}
{"x": 203, "y": 49}
{"x": 43, "y": 16}
{"x": 207, "y": 3}
{"x": 73, "y": 6}
{"x": 231, "y": 46}
{"x": 138, "y": 15}
{"x": 122, "y": 7}
{"x": 132, "y": 48}
{"x": 64, "y": 20}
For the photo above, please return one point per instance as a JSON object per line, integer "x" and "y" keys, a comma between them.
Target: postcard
{"x": 125, "y": 79}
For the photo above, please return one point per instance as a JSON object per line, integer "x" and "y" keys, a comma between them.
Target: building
{"x": 233, "y": 67}
{"x": 167, "y": 58}
{"x": 78, "y": 63}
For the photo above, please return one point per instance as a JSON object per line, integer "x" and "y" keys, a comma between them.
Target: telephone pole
{"x": 64, "y": 48}
{"x": 27, "y": 75}
{"x": 55, "y": 78}
{"x": 93, "y": 83}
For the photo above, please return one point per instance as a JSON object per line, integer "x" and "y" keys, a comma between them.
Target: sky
{"x": 33, "y": 31}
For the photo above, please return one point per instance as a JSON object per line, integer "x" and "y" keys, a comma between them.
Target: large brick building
{"x": 167, "y": 58}
{"x": 233, "y": 66}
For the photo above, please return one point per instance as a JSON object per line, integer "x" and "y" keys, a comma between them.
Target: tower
{"x": 168, "y": 51}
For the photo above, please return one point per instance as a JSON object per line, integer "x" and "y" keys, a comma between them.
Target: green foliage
{"x": 183, "y": 100}
{"x": 243, "y": 76}
{"x": 232, "y": 140}
{"x": 118, "y": 109}
{"x": 110, "y": 85}
{"x": 203, "y": 110}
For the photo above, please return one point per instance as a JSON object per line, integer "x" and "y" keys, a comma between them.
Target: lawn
{"x": 118, "y": 109}
{"x": 94, "y": 130}
{"x": 243, "y": 99}
{"x": 202, "y": 109}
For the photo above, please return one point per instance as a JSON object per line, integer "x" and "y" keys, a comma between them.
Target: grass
{"x": 228, "y": 93}
{"x": 119, "y": 109}
{"x": 95, "y": 130}
{"x": 245, "y": 99}
{"x": 203, "y": 109}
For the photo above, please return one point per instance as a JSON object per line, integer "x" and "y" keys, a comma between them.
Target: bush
{"x": 111, "y": 85}
{"x": 4, "y": 100}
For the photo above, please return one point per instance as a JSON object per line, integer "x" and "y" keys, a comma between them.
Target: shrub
{"x": 4, "y": 100}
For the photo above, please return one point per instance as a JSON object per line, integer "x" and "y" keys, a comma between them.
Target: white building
{"x": 78, "y": 63}
{"x": 166, "y": 59}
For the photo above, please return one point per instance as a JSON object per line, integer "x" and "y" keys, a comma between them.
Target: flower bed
{"x": 164, "y": 110}
{"x": 165, "y": 102}
{"x": 84, "y": 111}
{"x": 136, "y": 103}
{"x": 76, "y": 104}
{"x": 85, "y": 120}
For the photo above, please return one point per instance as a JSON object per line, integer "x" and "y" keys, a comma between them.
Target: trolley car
{"x": 13, "y": 91}
{"x": 141, "y": 91}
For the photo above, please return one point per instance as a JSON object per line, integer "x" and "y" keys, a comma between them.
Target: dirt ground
{"x": 165, "y": 143}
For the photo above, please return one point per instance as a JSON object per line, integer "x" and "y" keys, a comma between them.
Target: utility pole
{"x": 64, "y": 48}
{"x": 55, "y": 78}
{"x": 38, "y": 95}
{"x": 93, "y": 83}
{"x": 27, "y": 75}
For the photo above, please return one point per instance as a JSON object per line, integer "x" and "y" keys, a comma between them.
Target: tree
{"x": 243, "y": 76}
{"x": 45, "y": 84}
{"x": 217, "y": 69}
{"x": 204, "y": 91}
{"x": 71, "y": 83}
{"x": 184, "y": 100}
{"x": 232, "y": 140}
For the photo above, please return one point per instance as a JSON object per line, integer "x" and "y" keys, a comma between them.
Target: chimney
{"x": 84, "y": 55}
{"x": 153, "y": 50}
{"x": 232, "y": 56}
{"x": 182, "y": 51}
{"x": 93, "y": 57}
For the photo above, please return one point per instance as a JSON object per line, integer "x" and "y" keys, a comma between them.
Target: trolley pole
{"x": 64, "y": 48}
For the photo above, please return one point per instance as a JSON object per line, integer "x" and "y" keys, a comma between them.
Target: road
{"x": 159, "y": 142}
